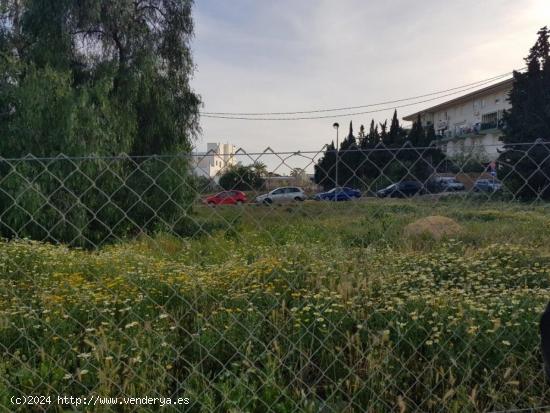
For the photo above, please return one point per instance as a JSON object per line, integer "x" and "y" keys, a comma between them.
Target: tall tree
{"x": 384, "y": 132}
{"x": 373, "y": 136}
{"x": 529, "y": 117}
{"x": 417, "y": 136}
{"x": 526, "y": 168}
{"x": 361, "y": 136}
{"x": 349, "y": 159}
{"x": 395, "y": 134}
{"x": 324, "y": 169}
{"x": 95, "y": 77}
{"x": 430, "y": 134}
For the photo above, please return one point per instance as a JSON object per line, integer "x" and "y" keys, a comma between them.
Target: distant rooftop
{"x": 505, "y": 84}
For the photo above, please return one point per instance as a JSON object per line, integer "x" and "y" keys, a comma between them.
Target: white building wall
{"x": 460, "y": 125}
{"x": 217, "y": 158}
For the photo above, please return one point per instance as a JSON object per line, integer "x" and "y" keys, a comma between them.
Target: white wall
{"x": 215, "y": 160}
{"x": 461, "y": 120}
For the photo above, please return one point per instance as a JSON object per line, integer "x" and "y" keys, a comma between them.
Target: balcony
{"x": 491, "y": 123}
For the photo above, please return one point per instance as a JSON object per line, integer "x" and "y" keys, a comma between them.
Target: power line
{"x": 339, "y": 115}
{"x": 225, "y": 115}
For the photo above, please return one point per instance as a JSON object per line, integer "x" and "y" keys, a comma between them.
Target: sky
{"x": 294, "y": 55}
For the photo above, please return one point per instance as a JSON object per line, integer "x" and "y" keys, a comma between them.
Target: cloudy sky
{"x": 293, "y": 55}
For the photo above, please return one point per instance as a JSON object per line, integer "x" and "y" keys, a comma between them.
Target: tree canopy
{"x": 380, "y": 157}
{"x": 525, "y": 161}
{"x": 529, "y": 117}
{"x": 96, "y": 76}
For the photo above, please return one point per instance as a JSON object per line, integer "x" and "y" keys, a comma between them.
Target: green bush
{"x": 94, "y": 200}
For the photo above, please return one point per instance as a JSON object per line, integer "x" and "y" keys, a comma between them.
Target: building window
{"x": 489, "y": 121}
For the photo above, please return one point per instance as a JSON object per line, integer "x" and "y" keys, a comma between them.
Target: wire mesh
{"x": 366, "y": 279}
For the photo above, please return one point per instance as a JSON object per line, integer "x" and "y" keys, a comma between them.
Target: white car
{"x": 283, "y": 194}
{"x": 449, "y": 183}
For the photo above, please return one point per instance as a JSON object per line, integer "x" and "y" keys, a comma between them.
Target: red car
{"x": 226, "y": 198}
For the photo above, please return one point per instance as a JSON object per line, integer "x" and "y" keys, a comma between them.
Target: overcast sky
{"x": 292, "y": 55}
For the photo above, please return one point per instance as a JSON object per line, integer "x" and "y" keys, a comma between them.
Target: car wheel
{"x": 239, "y": 202}
{"x": 299, "y": 199}
{"x": 211, "y": 204}
{"x": 268, "y": 201}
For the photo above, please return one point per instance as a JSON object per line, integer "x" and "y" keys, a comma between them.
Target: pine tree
{"x": 529, "y": 118}
{"x": 361, "y": 136}
{"x": 395, "y": 133}
{"x": 384, "y": 133}
{"x": 526, "y": 168}
{"x": 324, "y": 170}
{"x": 348, "y": 160}
{"x": 417, "y": 136}
{"x": 373, "y": 136}
{"x": 430, "y": 135}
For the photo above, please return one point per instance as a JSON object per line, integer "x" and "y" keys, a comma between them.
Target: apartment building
{"x": 212, "y": 163}
{"x": 470, "y": 125}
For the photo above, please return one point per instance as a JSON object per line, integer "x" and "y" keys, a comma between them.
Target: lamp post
{"x": 336, "y": 126}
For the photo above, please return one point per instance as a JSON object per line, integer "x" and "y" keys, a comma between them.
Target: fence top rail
{"x": 407, "y": 146}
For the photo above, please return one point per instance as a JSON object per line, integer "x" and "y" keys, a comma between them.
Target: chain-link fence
{"x": 367, "y": 279}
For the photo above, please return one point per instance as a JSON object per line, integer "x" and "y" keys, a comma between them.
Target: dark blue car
{"x": 338, "y": 194}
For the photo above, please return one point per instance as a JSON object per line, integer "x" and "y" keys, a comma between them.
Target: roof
{"x": 505, "y": 84}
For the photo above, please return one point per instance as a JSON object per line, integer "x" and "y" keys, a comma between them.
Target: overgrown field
{"x": 311, "y": 307}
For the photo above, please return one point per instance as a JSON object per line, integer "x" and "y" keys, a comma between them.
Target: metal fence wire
{"x": 370, "y": 279}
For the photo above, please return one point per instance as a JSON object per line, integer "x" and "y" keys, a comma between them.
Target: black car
{"x": 401, "y": 190}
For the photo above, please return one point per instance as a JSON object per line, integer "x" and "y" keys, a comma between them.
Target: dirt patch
{"x": 435, "y": 226}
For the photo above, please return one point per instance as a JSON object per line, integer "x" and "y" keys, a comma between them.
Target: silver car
{"x": 449, "y": 183}
{"x": 282, "y": 195}
{"x": 487, "y": 185}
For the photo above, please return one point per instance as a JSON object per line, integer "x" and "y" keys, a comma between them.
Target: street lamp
{"x": 336, "y": 126}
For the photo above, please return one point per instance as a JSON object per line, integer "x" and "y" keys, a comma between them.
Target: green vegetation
{"x": 243, "y": 177}
{"x": 377, "y": 159}
{"x": 524, "y": 166}
{"x": 94, "y": 79}
{"x": 311, "y": 306}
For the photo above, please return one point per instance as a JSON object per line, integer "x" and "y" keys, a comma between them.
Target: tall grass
{"x": 316, "y": 307}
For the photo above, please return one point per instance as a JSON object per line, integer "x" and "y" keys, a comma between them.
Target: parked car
{"x": 447, "y": 184}
{"x": 281, "y": 195}
{"x": 226, "y": 198}
{"x": 401, "y": 189}
{"x": 338, "y": 194}
{"x": 487, "y": 185}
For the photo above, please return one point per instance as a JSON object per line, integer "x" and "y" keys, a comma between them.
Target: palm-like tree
{"x": 260, "y": 168}
{"x": 296, "y": 172}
